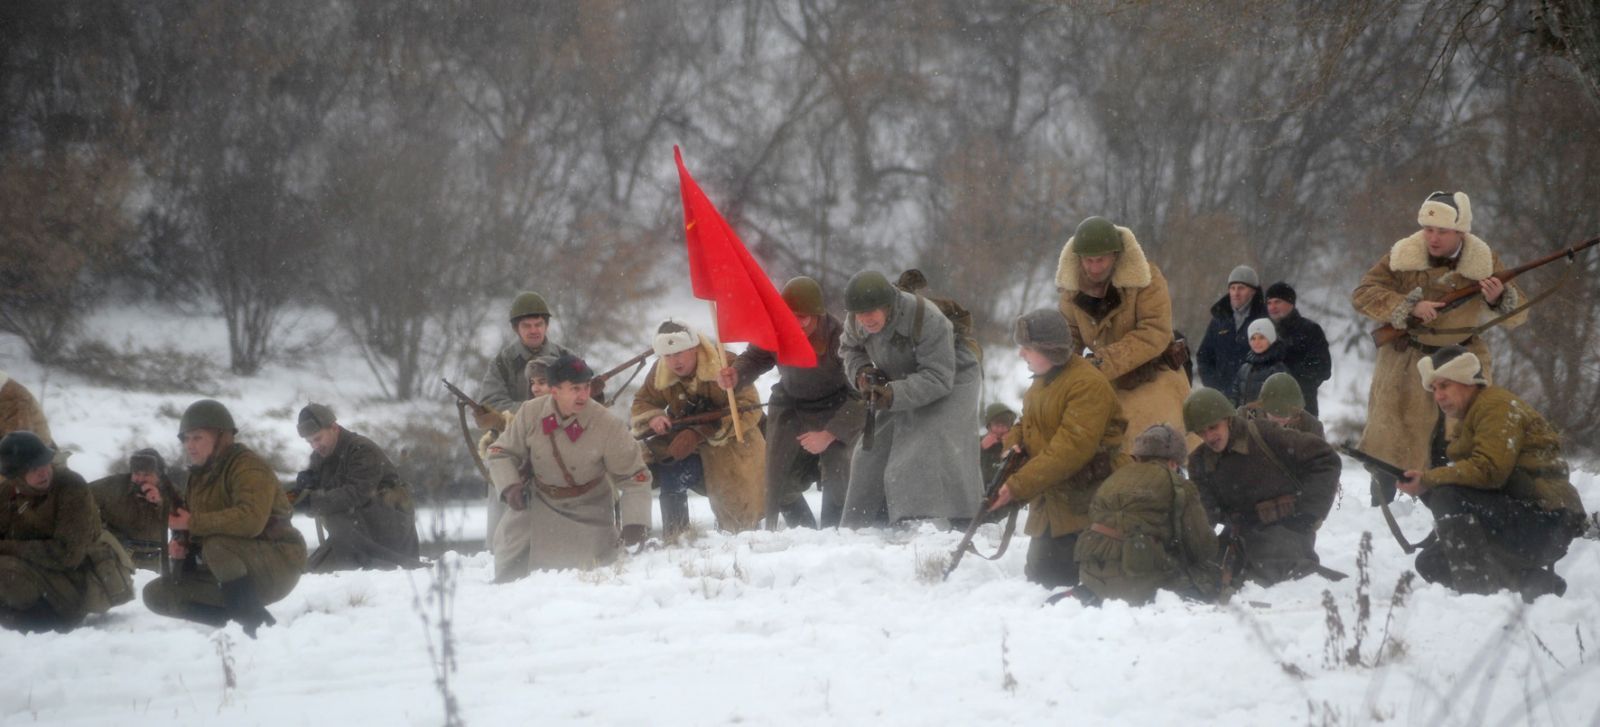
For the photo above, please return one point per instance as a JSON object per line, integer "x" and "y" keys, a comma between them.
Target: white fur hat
{"x": 1451, "y": 363}
{"x": 1452, "y": 211}
{"x": 671, "y": 342}
{"x": 1263, "y": 327}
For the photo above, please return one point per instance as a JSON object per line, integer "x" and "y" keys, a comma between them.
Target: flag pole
{"x": 722, "y": 355}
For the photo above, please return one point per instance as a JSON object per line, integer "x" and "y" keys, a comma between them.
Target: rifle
{"x": 462, "y": 403}
{"x": 1232, "y": 560}
{"x": 597, "y": 385}
{"x": 692, "y": 420}
{"x": 1388, "y": 334}
{"x": 874, "y": 379}
{"x": 170, "y": 569}
{"x": 1008, "y": 466}
{"x": 621, "y": 367}
{"x": 1394, "y": 471}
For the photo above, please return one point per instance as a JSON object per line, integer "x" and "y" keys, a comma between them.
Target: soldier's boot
{"x": 1536, "y": 582}
{"x": 798, "y": 514}
{"x": 1432, "y": 565}
{"x": 244, "y": 606}
{"x": 36, "y": 618}
{"x": 1475, "y": 565}
{"x": 674, "y": 515}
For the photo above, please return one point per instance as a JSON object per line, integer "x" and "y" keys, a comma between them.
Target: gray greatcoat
{"x": 924, "y": 463}
{"x": 556, "y": 531}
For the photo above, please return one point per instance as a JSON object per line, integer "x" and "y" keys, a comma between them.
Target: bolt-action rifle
{"x": 1388, "y": 334}
{"x": 1392, "y": 470}
{"x": 875, "y": 378}
{"x": 1009, "y": 464}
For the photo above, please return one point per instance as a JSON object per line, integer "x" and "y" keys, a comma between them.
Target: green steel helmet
{"x": 206, "y": 414}
{"x": 1281, "y": 395}
{"x": 868, "y": 291}
{"x": 528, "y": 304}
{"x": 1205, "y": 407}
{"x": 804, "y": 297}
{"x": 21, "y": 452}
{"x": 1096, "y": 236}
{"x": 998, "y": 410}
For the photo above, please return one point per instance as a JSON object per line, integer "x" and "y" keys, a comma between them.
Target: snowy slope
{"x": 787, "y": 628}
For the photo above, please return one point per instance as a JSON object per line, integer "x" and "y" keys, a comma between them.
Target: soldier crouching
{"x": 56, "y": 565}
{"x": 1271, "y": 486}
{"x": 561, "y": 467}
{"x": 234, "y": 549}
{"x": 1504, "y": 508}
{"x": 357, "y": 495}
{"x": 1149, "y": 530}
{"x": 133, "y": 507}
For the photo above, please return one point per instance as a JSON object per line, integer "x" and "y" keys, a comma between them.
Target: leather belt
{"x": 1106, "y": 530}
{"x": 563, "y": 493}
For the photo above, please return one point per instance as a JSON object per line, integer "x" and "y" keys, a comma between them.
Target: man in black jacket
{"x": 1305, "y": 346}
{"x": 1227, "y": 341}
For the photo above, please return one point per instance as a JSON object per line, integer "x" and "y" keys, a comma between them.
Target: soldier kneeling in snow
{"x": 560, "y": 467}
{"x": 1148, "y": 529}
{"x": 357, "y": 495}
{"x": 56, "y": 563}
{"x": 1504, "y": 509}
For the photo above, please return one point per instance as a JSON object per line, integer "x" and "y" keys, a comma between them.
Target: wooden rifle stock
{"x": 1008, "y": 466}
{"x": 1388, "y": 334}
{"x": 462, "y": 397}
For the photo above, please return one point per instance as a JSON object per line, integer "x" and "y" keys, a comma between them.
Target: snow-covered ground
{"x": 783, "y": 628}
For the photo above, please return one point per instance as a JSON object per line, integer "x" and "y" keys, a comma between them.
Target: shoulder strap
{"x": 565, "y": 473}
{"x": 916, "y": 320}
{"x": 1255, "y": 438}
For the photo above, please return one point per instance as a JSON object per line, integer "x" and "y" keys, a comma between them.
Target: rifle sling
{"x": 1005, "y": 537}
{"x": 472, "y": 447}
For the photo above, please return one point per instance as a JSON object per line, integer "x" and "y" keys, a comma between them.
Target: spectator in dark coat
{"x": 1305, "y": 348}
{"x": 1265, "y": 359}
{"x": 1226, "y": 342}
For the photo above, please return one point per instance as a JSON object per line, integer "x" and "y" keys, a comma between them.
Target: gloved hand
{"x": 684, "y": 444}
{"x": 516, "y": 497}
{"x": 882, "y": 397}
{"x": 489, "y": 419}
{"x": 868, "y": 376}
{"x": 597, "y": 389}
{"x": 302, "y": 499}
{"x": 634, "y": 534}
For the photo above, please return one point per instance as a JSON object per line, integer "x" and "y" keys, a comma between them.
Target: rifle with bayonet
{"x": 1392, "y": 470}
{"x": 1388, "y": 334}
{"x": 1009, "y": 464}
{"x": 875, "y": 377}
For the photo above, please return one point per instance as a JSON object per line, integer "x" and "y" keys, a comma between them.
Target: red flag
{"x": 749, "y": 309}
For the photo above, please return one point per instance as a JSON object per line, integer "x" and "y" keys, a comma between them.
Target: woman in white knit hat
{"x": 1264, "y": 359}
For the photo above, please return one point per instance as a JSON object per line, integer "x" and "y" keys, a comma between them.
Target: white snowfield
{"x": 798, "y": 627}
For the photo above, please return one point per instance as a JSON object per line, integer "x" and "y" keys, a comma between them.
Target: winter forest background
{"x": 409, "y": 167}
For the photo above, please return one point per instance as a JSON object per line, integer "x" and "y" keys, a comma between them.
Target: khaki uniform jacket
{"x": 1070, "y": 416}
{"x": 20, "y": 412}
{"x": 1503, "y": 444}
{"x": 1165, "y": 539}
{"x": 137, "y": 523}
{"x": 51, "y": 534}
{"x": 1400, "y": 414}
{"x": 735, "y": 473}
{"x": 1129, "y": 340}
{"x": 566, "y": 532}
{"x": 505, "y": 382}
{"x": 235, "y": 497}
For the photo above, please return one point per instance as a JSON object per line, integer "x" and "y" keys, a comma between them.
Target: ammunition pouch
{"x": 1274, "y": 509}
{"x": 1172, "y": 358}
{"x": 110, "y": 581}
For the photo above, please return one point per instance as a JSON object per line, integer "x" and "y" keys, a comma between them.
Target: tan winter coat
{"x": 735, "y": 473}
{"x": 20, "y": 412}
{"x": 1128, "y": 341}
{"x": 1072, "y": 431}
{"x": 1400, "y": 413}
{"x": 558, "y": 531}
